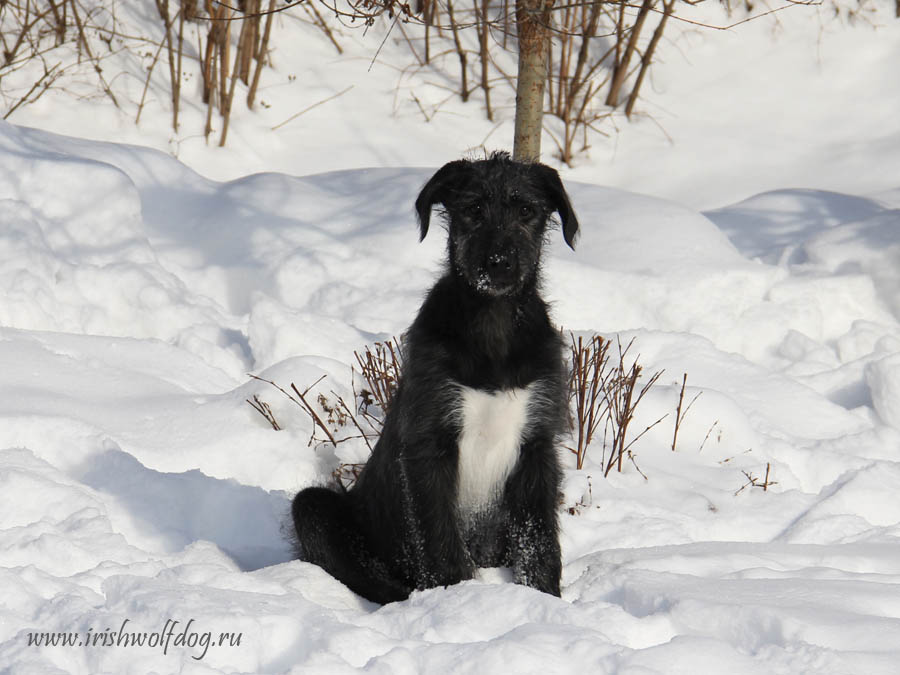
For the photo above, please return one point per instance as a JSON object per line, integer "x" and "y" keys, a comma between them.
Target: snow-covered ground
{"x": 139, "y": 489}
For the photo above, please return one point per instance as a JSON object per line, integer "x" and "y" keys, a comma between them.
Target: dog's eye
{"x": 525, "y": 211}
{"x": 474, "y": 211}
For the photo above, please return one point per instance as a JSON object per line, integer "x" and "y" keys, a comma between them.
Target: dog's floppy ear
{"x": 436, "y": 190}
{"x": 554, "y": 189}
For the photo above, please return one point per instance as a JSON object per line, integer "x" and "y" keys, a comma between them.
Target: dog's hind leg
{"x": 330, "y": 537}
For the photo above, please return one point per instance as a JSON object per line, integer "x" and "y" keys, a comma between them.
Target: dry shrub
{"x": 380, "y": 367}
{"x": 605, "y": 390}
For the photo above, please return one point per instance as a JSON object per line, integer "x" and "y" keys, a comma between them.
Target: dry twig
{"x": 753, "y": 481}
{"x": 587, "y": 390}
{"x": 680, "y": 413}
{"x": 623, "y": 399}
{"x": 263, "y": 409}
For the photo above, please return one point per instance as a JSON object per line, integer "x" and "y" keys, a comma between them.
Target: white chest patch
{"x": 492, "y": 429}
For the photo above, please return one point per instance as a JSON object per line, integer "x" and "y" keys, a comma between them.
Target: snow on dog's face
{"x": 497, "y": 211}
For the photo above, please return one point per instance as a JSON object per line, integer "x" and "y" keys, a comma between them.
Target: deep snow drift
{"x": 137, "y": 487}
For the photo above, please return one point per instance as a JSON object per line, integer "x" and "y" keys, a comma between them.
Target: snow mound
{"x": 142, "y": 497}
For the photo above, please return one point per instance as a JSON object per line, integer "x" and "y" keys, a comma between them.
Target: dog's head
{"x": 497, "y": 212}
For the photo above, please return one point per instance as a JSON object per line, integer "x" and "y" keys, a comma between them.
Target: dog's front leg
{"x": 431, "y": 513}
{"x": 532, "y": 496}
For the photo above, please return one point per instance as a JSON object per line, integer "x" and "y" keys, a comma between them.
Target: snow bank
{"x": 140, "y": 494}
{"x": 803, "y": 97}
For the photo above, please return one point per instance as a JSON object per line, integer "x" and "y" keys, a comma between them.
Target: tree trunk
{"x": 621, "y": 71}
{"x": 463, "y": 60}
{"x": 261, "y": 55}
{"x": 647, "y": 59}
{"x": 532, "y": 22}
{"x": 483, "y": 33}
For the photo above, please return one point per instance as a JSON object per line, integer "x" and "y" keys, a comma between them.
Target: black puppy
{"x": 465, "y": 473}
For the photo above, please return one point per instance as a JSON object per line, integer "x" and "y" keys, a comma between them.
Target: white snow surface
{"x": 138, "y": 488}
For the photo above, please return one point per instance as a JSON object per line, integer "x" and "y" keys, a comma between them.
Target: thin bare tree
{"x": 533, "y": 30}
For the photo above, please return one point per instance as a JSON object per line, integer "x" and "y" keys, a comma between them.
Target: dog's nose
{"x": 501, "y": 271}
{"x": 499, "y": 263}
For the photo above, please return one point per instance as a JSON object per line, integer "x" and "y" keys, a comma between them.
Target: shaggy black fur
{"x": 483, "y": 326}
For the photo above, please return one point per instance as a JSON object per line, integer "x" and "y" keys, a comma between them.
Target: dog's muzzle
{"x": 498, "y": 275}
